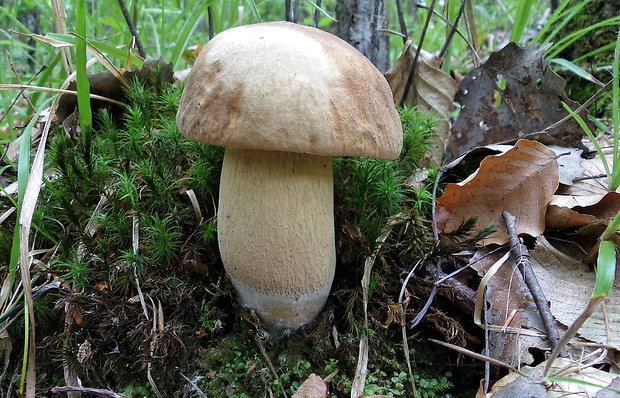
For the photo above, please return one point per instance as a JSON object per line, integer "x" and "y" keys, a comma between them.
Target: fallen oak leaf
{"x": 586, "y": 201}
{"x": 520, "y": 181}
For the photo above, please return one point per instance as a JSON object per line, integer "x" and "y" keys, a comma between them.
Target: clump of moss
{"x": 144, "y": 290}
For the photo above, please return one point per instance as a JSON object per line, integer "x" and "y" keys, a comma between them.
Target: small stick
{"x": 417, "y": 53}
{"x": 287, "y": 11}
{"x": 210, "y": 22}
{"x": 446, "y": 44}
{"x": 401, "y": 21}
{"x": 98, "y": 392}
{"x": 269, "y": 364}
{"x": 296, "y": 11}
{"x": 132, "y": 28}
{"x": 317, "y": 14}
{"x": 522, "y": 257}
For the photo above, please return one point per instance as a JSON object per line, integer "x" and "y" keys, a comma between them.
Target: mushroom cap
{"x": 286, "y": 87}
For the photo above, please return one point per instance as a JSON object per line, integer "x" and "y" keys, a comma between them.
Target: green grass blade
{"x": 605, "y": 268}
{"x": 615, "y": 104}
{"x": 595, "y": 52}
{"x": 555, "y": 50}
{"x": 182, "y": 39}
{"x": 254, "y": 10}
{"x": 321, "y": 10}
{"x": 521, "y": 20}
{"x": 558, "y": 20}
{"x": 612, "y": 228}
{"x": 83, "y": 85}
{"x": 102, "y": 46}
{"x": 577, "y": 70}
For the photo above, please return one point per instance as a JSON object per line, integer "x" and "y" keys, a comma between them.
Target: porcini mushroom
{"x": 283, "y": 99}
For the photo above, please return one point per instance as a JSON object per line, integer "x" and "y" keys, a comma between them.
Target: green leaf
{"x": 605, "y": 269}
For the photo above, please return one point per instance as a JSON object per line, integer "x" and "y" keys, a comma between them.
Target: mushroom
{"x": 283, "y": 99}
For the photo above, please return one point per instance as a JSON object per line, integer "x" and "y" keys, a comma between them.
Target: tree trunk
{"x": 360, "y": 24}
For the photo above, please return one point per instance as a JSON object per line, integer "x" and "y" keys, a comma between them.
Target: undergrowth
{"x": 143, "y": 290}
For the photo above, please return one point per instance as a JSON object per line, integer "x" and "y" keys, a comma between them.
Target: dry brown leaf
{"x": 588, "y": 190}
{"x": 563, "y": 217}
{"x": 567, "y": 284}
{"x": 514, "y": 93}
{"x": 432, "y": 90}
{"x": 586, "y": 201}
{"x": 521, "y": 181}
{"x": 569, "y": 160}
{"x": 587, "y": 380}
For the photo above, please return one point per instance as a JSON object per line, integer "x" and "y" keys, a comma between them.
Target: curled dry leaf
{"x": 514, "y": 93}
{"x": 431, "y": 90}
{"x": 521, "y": 181}
{"x": 586, "y": 201}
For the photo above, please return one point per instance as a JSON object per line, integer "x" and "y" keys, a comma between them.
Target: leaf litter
{"x": 554, "y": 191}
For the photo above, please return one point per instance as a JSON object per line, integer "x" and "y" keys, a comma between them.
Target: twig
{"x": 210, "y": 22}
{"x": 522, "y": 257}
{"x": 287, "y": 11}
{"x": 417, "y": 53}
{"x": 296, "y": 11}
{"x": 317, "y": 14}
{"x": 374, "y": 24}
{"x": 470, "y": 22}
{"x": 135, "y": 239}
{"x": 269, "y": 364}
{"x": 446, "y": 44}
{"x": 99, "y": 392}
{"x": 8, "y": 55}
{"x": 132, "y": 28}
{"x": 60, "y": 22}
{"x": 475, "y": 355}
{"x": 154, "y": 340}
{"x": 401, "y": 21}
{"x": 470, "y": 45}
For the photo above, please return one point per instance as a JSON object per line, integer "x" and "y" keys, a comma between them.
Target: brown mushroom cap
{"x": 286, "y": 87}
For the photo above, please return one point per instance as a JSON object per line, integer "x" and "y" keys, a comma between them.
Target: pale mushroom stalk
{"x": 278, "y": 246}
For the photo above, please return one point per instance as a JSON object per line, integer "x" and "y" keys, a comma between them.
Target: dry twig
{"x": 522, "y": 258}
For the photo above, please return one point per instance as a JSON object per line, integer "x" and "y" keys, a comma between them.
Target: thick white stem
{"x": 276, "y": 232}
